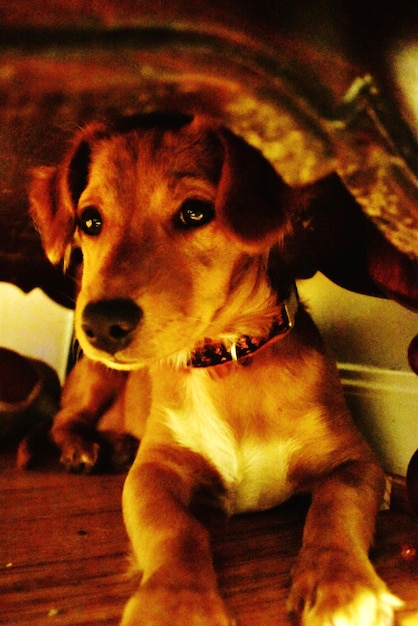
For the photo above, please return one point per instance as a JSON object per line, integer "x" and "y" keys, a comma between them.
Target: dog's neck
{"x": 211, "y": 354}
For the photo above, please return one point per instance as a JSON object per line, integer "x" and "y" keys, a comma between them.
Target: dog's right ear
{"x": 54, "y": 193}
{"x": 54, "y": 223}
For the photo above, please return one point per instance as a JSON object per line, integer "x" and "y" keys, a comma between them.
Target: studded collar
{"x": 210, "y": 354}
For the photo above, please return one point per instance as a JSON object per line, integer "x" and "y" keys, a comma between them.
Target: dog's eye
{"x": 194, "y": 213}
{"x": 91, "y": 222}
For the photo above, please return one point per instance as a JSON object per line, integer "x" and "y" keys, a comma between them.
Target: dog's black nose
{"x": 109, "y": 324}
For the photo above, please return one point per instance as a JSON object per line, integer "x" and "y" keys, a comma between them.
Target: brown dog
{"x": 194, "y": 343}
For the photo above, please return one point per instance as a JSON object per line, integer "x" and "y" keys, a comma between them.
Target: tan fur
{"x": 251, "y": 436}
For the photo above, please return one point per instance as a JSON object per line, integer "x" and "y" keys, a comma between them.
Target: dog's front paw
{"x": 169, "y": 606}
{"x": 79, "y": 454}
{"x": 330, "y": 588}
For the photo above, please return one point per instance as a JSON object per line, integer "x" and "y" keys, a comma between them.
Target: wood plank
{"x": 63, "y": 553}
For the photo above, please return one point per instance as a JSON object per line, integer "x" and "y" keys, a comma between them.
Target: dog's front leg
{"x": 178, "y": 585}
{"x": 333, "y": 580}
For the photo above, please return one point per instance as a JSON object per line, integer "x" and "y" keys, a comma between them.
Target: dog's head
{"x": 175, "y": 217}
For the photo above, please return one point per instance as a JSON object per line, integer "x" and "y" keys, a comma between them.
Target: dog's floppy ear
{"x": 55, "y": 224}
{"x": 54, "y": 193}
{"x": 252, "y": 199}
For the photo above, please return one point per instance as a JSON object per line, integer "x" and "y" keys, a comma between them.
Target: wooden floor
{"x": 63, "y": 553}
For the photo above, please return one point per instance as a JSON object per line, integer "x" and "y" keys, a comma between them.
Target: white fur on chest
{"x": 254, "y": 469}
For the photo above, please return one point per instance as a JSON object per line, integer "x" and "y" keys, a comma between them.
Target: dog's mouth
{"x": 120, "y": 363}
{"x": 115, "y": 333}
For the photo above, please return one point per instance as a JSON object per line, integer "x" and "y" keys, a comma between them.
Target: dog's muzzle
{"x": 109, "y": 325}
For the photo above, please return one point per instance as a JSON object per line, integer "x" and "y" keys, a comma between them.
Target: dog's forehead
{"x": 163, "y": 152}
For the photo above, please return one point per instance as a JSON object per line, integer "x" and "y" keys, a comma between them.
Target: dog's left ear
{"x": 252, "y": 200}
